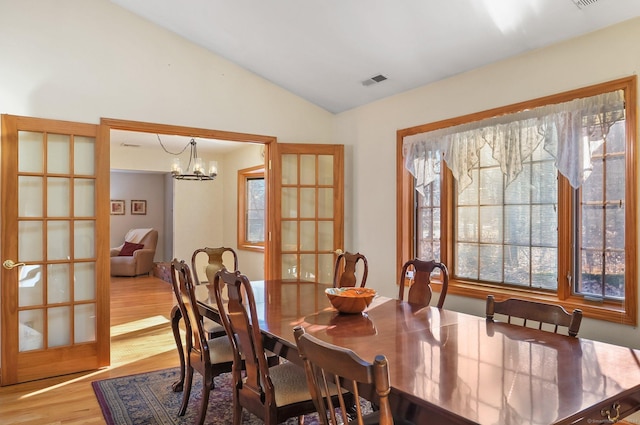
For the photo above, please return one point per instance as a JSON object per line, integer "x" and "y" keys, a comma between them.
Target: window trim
{"x": 243, "y": 176}
{"x": 625, "y": 313}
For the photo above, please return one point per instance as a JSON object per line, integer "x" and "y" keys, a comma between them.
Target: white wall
{"x": 369, "y": 132}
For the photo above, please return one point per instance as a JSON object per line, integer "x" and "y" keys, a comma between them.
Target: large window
{"x": 530, "y": 230}
{"x": 251, "y": 208}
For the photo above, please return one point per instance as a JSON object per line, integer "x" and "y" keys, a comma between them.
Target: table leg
{"x": 176, "y": 316}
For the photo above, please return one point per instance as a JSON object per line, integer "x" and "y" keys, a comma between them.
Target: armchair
{"x": 135, "y": 256}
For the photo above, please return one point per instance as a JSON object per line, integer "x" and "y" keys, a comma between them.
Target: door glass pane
{"x": 289, "y": 235}
{"x": 84, "y": 323}
{"x": 84, "y": 155}
{"x": 308, "y": 169}
{"x": 30, "y": 152}
{"x": 30, "y": 196}
{"x": 289, "y": 169}
{"x": 30, "y": 285}
{"x": 30, "y": 330}
{"x": 84, "y": 235}
{"x": 325, "y": 236}
{"x": 325, "y": 169}
{"x": 326, "y": 264}
{"x": 84, "y": 282}
{"x": 307, "y": 236}
{"x": 308, "y": 267}
{"x": 58, "y": 240}
{"x": 307, "y": 203}
{"x": 325, "y": 203}
{"x": 58, "y": 283}
{"x": 58, "y": 153}
{"x": 289, "y": 202}
{"x": 58, "y": 196}
{"x": 289, "y": 266}
{"x": 84, "y": 191}
{"x": 30, "y": 241}
{"x": 59, "y": 326}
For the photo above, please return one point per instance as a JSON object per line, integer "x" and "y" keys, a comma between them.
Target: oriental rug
{"x": 148, "y": 399}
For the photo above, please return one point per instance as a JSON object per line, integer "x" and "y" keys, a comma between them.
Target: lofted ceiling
{"x": 332, "y": 52}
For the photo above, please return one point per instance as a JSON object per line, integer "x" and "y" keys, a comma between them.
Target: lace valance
{"x": 570, "y": 132}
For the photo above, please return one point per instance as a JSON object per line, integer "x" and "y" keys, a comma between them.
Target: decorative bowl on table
{"x": 350, "y": 300}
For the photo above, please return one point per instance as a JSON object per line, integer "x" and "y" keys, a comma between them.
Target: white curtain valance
{"x": 571, "y": 132}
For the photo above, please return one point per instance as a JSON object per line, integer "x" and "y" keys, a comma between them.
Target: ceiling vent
{"x": 583, "y": 3}
{"x": 374, "y": 80}
{"x": 129, "y": 145}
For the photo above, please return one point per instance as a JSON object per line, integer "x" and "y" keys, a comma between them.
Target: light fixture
{"x": 195, "y": 169}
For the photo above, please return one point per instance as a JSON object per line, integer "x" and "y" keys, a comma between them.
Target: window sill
{"x": 607, "y": 311}
{"x": 250, "y": 247}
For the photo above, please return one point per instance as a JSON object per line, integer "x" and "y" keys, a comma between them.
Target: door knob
{"x": 338, "y": 251}
{"x": 8, "y": 264}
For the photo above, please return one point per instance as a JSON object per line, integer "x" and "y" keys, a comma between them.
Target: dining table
{"x": 448, "y": 367}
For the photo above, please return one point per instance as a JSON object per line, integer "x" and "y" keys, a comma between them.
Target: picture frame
{"x": 138, "y": 207}
{"x": 117, "y": 207}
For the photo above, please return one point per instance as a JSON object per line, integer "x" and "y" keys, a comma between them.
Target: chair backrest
{"x": 215, "y": 262}
{"x": 344, "y": 274}
{"x": 327, "y": 365}
{"x": 146, "y": 237}
{"x": 532, "y": 311}
{"x": 184, "y": 289}
{"x": 240, "y": 320}
{"x": 420, "y": 291}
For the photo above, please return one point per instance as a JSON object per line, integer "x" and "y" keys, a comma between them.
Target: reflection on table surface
{"x": 459, "y": 366}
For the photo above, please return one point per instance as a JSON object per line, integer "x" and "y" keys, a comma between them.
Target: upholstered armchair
{"x": 135, "y": 256}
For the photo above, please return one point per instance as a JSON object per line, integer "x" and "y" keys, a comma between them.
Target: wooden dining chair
{"x": 216, "y": 257}
{"x": 420, "y": 272}
{"x": 209, "y": 357}
{"x": 546, "y": 316}
{"x": 275, "y": 393}
{"x": 345, "y": 272}
{"x": 329, "y": 366}
{"x": 215, "y": 262}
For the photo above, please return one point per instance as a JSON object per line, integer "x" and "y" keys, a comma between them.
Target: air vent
{"x": 129, "y": 145}
{"x": 583, "y": 3}
{"x": 374, "y": 80}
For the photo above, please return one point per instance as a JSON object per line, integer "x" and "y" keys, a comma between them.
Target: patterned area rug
{"x": 147, "y": 399}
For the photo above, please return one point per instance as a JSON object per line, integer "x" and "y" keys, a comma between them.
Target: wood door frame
{"x": 108, "y": 124}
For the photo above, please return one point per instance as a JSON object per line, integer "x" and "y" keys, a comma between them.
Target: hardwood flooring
{"x": 141, "y": 341}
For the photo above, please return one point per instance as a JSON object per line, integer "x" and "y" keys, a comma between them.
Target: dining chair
{"x": 209, "y": 357}
{"x": 419, "y": 274}
{"x": 216, "y": 257}
{"x": 274, "y": 393}
{"x": 215, "y": 262}
{"x": 547, "y": 316}
{"x": 331, "y": 366}
{"x": 346, "y": 267}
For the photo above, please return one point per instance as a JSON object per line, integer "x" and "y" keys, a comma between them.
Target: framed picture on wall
{"x": 138, "y": 207}
{"x": 117, "y": 207}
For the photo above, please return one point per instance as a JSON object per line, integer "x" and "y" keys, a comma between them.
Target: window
{"x": 534, "y": 230}
{"x": 251, "y": 208}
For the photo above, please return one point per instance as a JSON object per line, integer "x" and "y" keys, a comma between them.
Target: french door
{"x": 55, "y": 270}
{"x": 308, "y": 225}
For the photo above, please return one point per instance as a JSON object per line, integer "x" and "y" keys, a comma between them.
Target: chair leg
{"x": 187, "y": 391}
{"x": 176, "y": 316}
{"x": 237, "y": 410}
{"x": 207, "y": 383}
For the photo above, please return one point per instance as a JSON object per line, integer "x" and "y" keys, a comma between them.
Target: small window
{"x": 251, "y": 211}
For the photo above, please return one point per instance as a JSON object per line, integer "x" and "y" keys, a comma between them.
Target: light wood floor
{"x": 141, "y": 341}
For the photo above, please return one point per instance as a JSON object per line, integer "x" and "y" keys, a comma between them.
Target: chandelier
{"x": 195, "y": 169}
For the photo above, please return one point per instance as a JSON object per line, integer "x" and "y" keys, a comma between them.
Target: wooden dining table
{"x": 450, "y": 367}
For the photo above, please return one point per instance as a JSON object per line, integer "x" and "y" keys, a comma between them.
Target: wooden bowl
{"x": 350, "y": 300}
